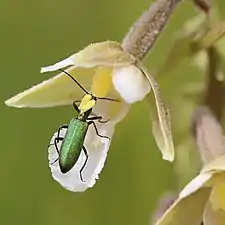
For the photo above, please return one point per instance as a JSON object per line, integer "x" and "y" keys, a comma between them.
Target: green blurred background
{"x": 38, "y": 33}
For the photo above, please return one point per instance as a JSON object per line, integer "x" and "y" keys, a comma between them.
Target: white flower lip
{"x": 130, "y": 83}
{"x": 97, "y": 151}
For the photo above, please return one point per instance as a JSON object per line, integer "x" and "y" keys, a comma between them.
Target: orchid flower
{"x": 107, "y": 71}
{"x": 202, "y": 201}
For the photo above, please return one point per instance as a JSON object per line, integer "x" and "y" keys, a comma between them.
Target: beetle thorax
{"x": 87, "y": 103}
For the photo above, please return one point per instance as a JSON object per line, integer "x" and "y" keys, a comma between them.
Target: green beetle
{"x": 72, "y": 142}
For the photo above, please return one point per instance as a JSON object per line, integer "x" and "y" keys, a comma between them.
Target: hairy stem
{"x": 142, "y": 35}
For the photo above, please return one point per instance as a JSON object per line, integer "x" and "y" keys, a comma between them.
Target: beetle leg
{"x": 96, "y": 130}
{"x": 95, "y": 118}
{"x": 75, "y": 106}
{"x": 103, "y": 121}
{"x": 56, "y": 141}
{"x": 85, "y": 162}
{"x": 99, "y": 118}
{"x": 55, "y": 161}
{"x": 58, "y": 133}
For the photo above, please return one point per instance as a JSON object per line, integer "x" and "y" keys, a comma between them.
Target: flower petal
{"x": 62, "y": 64}
{"x": 97, "y": 150}
{"x": 113, "y": 111}
{"x": 217, "y": 196}
{"x": 108, "y": 53}
{"x": 187, "y": 210}
{"x": 102, "y": 81}
{"x": 164, "y": 203}
{"x": 197, "y": 183}
{"x": 130, "y": 82}
{"x": 217, "y": 165}
{"x": 161, "y": 126}
{"x": 56, "y": 91}
{"x": 211, "y": 217}
{"x": 208, "y": 134}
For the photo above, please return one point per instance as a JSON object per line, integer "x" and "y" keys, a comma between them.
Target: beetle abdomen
{"x": 72, "y": 144}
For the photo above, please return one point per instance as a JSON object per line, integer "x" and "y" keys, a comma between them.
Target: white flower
{"x": 97, "y": 148}
{"x": 107, "y": 71}
{"x": 97, "y": 151}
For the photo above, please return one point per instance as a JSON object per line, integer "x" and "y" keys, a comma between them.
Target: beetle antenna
{"x": 75, "y": 81}
{"x": 109, "y": 99}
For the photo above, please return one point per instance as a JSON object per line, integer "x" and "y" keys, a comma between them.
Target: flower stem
{"x": 142, "y": 35}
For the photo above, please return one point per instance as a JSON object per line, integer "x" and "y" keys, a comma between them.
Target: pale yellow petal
{"x": 62, "y": 64}
{"x": 186, "y": 211}
{"x": 102, "y": 81}
{"x": 56, "y": 91}
{"x": 217, "y": 196}
{"x": 161, "y": 128}
{"x": 212, "y": 217}
{"x": 108, "y": 53}
{"x": 195, "y": 184}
